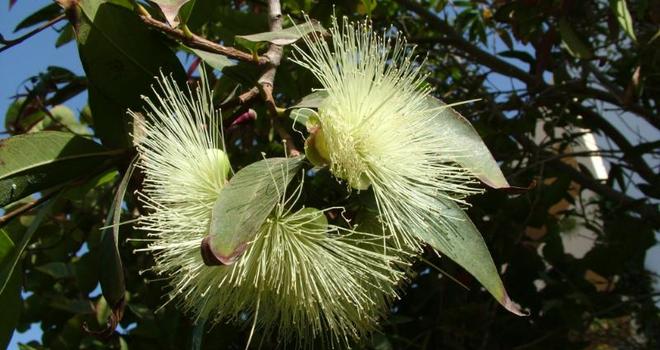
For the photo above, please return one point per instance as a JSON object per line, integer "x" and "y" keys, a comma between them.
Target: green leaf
{"x": 6, "y": 245}
{"x": 33, "y": 162}
{"x": 12, "y": 121}
{"x": 458, "y": 238}
{"x": 61, "y": 118}
{"x": 622, "y": 14}
{"x": 171, "y": 9}
{"x": 302, "y": 116}
{"x": 214, "y": 60}
{"x": 572, "y": 42}
{"x": 245, "y": 203}
{"x": 10, "y": 262}
{"x": 44, "y": 14}
{"x": 121, "y": 57}
{"x": 66, "y": 35}
{"x": 10, "y": 299}
{"x": 312, "y": 100}
{"x": 477, "y": 159}
{"x": 111, "y": 276}
{"x": 281, "y": 37}
{"x": 57, "y": 270}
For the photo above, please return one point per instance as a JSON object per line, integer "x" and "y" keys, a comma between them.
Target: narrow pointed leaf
{"x": 281, "y": 37}
{"x": 33, "y": 162}
{"x": 10, "y": 298}
{"x": 245, "y": 203}
{"x": 623, "y": 17}
{"x": 477, "y": 159}
{"x": 214, "y": 60}
{"x": 44, "y": 14}
{"x": 456, "y": 237}
{"x": 312, "y": 100}
{"x": 10, "y": 262}
{"x": 111, "y": 276}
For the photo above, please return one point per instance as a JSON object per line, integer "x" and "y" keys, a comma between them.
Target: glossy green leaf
{"x": 281, "y": 37}
{"x": 121, "y": 57}
{"x": 620, "y": 9}
{"x": 477, "y": 158}
{"x": 245, "y": 203}
{"x": 456, "y": 237}
{"x": 111, "y": 275}
{"x": 33, "y": 162}
{"x": 572, "y": 42}
{"x": 170, "y": 9}
{"x": 214, "y": 60}
{"x": 312, "y": 100}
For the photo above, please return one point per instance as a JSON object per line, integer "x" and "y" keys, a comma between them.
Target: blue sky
{"x": 39, "y": 52}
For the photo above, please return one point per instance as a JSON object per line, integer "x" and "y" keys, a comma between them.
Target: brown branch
{"x": 10, "y": 43}
{"x": 266, "y": 81}
{"x": 648, "y": 211}
{"x": 26, "y": 207}
{"x": 198, "y": 42}
{"x": 451, "y": 37}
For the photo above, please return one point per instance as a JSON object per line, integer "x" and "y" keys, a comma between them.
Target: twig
{"x": 242, "y": 98}
{"x": 24, "y": 208}
{"x": 274, "y": 55}
{"x": 197, "y": 42}
{"x": 14, "y": 42}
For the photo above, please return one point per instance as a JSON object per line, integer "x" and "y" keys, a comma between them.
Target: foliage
{"x": 546, "y": 72}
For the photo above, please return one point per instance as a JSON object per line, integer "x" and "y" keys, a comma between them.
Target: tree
{"x": 546, "y": 73}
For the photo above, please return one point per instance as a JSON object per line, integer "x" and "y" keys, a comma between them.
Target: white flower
{"x": 376, "y": 129}
{"x": 302, "y": 279}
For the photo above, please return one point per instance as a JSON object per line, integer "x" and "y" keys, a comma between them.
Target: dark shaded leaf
{"x": 44, "y": 14}
{"x": 121, "y": 58}
{"x": 33, "y": 162}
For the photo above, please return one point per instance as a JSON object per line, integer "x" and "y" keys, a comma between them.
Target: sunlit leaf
{"x": 460, "y": 240}
{"x": 34, "y": 162}
{"x": 281, "y": 37}
{"x": 477, "y": 158}
{"x": 245, "y": 202}
{"x": 623, "y": 17}
{"x": 214, "y": 60}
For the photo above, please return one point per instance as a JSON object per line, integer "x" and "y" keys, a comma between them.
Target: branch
{"x": 24, "y": 208}
{"x": 646, "y": 210}
{"x": 10, "y": 43}
{"x": 266, "y": 81}
{"x": 197, "y": 42}
{"x": 451, "y": 37}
